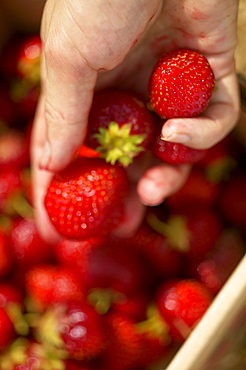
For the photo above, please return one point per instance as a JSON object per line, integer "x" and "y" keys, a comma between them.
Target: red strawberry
{"x": 86, "y": 198}
{"x": 78, "y": 365}
{"x": 157, "y": 249}
{"x": 232, "y": 200}
{"x": 49, "y": 284}
{"x": 174, "y": 153}
{"x": 11, "y": 188}
{"x": 75, "y": 328}
{"x": 6, "y": 260}
{"x": 28, "y": 60}
{"x": 154, "y": 336}
{"x": 215, "y": 268}
{"x": 10, "y": 294}
{"x": 198, "y": 191}
{"x": 25, "y": 98}
{"x": 26, "y": 245}
{"x": 120, "y": 126}
{"x": 7, "y": 330}
{"x": 21, "y": 58}
{"x": 7, "y": 108}
{"x": 193, "y": 232}
{"x": 132, "y": 305}
{"x": 102, "y": 264}
{"x": 124, "y": 344}
{"x": 220, "y": 159}
{"x": 75, "y": 253}
{"x": 14, "y": 150}
{"x": 85, "y": 151}
{"x": 181, "y": 84}
{"x": 182, "y": 303}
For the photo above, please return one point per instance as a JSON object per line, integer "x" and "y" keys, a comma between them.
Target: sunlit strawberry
{"x": 216, "y": 266}
{"x": 49, "y": 284}
{"x": 75, "y": 328}
{"x": 87, "y": 198}
{"x": 182, "y": 303}
{"x": 120, "y": 126}
{"x": 181, "y": 84}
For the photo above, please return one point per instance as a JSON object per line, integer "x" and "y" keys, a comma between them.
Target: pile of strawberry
{"x": 94, "y": 300}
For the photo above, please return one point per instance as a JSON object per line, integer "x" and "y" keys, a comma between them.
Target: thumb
{"x": 68, "y": 87}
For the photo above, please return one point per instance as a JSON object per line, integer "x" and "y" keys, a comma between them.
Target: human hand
{"x": 102, "y": 44}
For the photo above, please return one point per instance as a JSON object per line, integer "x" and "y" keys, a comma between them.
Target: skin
{"x": 88, "y": 45}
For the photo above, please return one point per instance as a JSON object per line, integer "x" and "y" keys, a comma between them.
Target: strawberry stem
{"x": 18, "y": 319}
{"x": 175, "y": 230}
{"x": 102, "y": 299}
{"x": 21, "y": 206}
{"x": 117, "y": 143}
{"x": 155, "y": 325}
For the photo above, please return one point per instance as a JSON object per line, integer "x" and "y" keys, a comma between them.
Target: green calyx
{"x": 175, "y": 230}
{"x": 116, "y": 143}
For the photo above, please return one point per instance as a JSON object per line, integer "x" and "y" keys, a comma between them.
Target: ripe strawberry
{"x": 182, "y": 303}
{"x": 11, "y": 188}
{"x": 124, "y": 348}
{"x": 157, "y": 249}
{"x": 6, "y": 260}
{"x": 21, "y": 58}
{"x": 215, "y": 268}
{"x": 174, "y": 153}
{"x": 220, "y": 159}
{"x": 73, "y": 253}
{"x": 120, "y": 126}
{"x": 154, "y": 336}
{"x": 85, "y": 151}
{"x": 28, "y": 59}
{"x": 232, "y": 200}
{"x": 86, "y": 198}
{"x": 9, "y": 293}
{"x": 193, "y": 232}
{"x": 14, "y": 149}
{"x": 49, "y": 284}
{"x": 7, "y": 108}
{"x": 78, "y": 365}
{"x": 132, "y": 305}
{"x": 198, "y": 191}
{"x": 26, "y": 245}
{"x": 75, "y": 328}
{"x": 181, "y": 84}
{"x": 25, "y": 98}
{"x": 102, "y": 264}
{"x": 7, "y": 330}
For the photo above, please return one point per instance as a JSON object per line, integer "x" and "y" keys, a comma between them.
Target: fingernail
{"x": 176, "y": 138}
{"x": 45, "y": 157}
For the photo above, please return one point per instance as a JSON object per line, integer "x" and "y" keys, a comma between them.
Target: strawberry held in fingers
{"x": 174, "y": 153}
{"x": 87, "y": 198}
{"x": 181, "y": 84}
{"x": 120, "y": 126}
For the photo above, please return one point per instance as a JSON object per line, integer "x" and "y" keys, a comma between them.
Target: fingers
{"x": 217, "y": 121}
{"x": 40, "y": 178}
{"x": 68, "y": 95}
{"x": 79, "y": 39}
{"x": 161, "y": 181}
